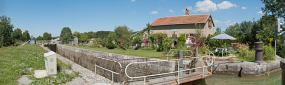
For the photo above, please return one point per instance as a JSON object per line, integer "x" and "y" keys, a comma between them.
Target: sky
{"x": 39, "y": 16}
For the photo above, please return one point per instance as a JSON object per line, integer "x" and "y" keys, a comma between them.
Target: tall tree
{"x": 123, "y": 34}
{"x": 267, "y": 24}
{"x": 26, "y": 35}
{"x": 83, "y": 37}
{"x": 65, "y": 35}
{"x": 47, "y": 36}
{"x": 6, "y": 29}
{"x": 218, "y": 30}
{"x": 275, "y": 7}
{"x": 17, "y": 34}
{"x": 39, "y": 38}
{"x": 76, "y": 33}
{"x": 102, "y": 34}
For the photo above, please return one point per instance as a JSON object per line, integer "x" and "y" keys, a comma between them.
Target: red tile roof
{"x": 184, "y": 19}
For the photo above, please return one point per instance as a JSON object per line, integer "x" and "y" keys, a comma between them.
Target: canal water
{"x": 218, "y": 79}
{"x": 32, "y": 42}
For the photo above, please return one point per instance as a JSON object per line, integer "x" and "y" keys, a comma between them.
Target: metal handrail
{"x": 168, "y": 72}
{"x": 177, "y": 49}
{"x": 108, "y": 69}
{"x": 121, "y": 68}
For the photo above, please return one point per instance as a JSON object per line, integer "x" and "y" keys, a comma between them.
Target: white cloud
{"x": 217, "y": 21}
{"x": 189, "y": 8}
{"x": 260, "y": 12}
{"x": 226, "y": 5}
{"x": 243, "y": 7}
{"x": 133, "y": 0}
{"x": 170, "y": 10}
{"x": 153, "y": 12}
{"x": 228, "y": 23}
{"x": 205, "y": 6}
{"x": 134, "y": 12}
{"x": 159, "y": 7}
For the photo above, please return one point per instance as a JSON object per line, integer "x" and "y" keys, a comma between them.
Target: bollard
{"x": 258, "y": 52}
{"x": 282, "y": 66}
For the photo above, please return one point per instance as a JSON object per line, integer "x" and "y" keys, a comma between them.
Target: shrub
{"x": 110, "y": 45}
{"x": 245, "y": 53}
{"x": 137, "y": 41}
{"x": 181, "y": 39}
{"x": 268, "y": 53}
{"x": 110, "y": 39}
{"x": 158, "y": 37}
{"x": 282, "y": 53}
{"x": 166, "y": 44}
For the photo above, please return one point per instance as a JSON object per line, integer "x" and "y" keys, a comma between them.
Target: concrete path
{"x": 87, "y": 77}
{"x": 25, "y": 43}
{"x": 24, "y": 80}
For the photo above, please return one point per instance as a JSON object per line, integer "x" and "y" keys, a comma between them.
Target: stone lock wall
{"x": 88, "y": 59}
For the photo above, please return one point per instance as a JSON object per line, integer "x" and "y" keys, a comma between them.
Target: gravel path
{"x": 87, "y": 77}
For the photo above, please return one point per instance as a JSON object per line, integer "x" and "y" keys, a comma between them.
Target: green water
{"x": 217, "y": 79}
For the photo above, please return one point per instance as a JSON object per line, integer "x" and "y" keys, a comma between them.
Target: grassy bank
{"x": 132, "y": 52}
{"x": 23, "y": 60}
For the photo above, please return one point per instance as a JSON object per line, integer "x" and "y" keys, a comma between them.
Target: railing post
{"x": 178, "y": 73}
{"x": 112, "y": 78}
{"x": 144, "y": 83}
{"x": 95, "y": 69}
{"x": 203, "y": 71}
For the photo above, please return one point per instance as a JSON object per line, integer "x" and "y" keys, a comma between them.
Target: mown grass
{"x": 23, "y": 60}
{"x": 132, "y": 52}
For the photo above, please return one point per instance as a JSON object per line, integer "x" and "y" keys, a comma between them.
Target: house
{"x": 186, "y": 24}
{"x": 56, "y": 41}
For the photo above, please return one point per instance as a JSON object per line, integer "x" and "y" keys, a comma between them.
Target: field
{"x": 23, "y": 60}
{"x": 132, "y": 52}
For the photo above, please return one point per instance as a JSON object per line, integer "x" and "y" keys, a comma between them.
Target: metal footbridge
{"x": 187, "y": 69}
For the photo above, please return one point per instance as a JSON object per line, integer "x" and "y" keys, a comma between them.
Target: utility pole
{"x": 277, "y": 30}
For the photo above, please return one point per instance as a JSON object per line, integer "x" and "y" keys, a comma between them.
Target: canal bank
{"x": 246, "y": 68}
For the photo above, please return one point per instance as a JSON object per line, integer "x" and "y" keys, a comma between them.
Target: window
{"x": 210, "y": 23}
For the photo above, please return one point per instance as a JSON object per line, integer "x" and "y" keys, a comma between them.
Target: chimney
{"x": 186, "y": 12}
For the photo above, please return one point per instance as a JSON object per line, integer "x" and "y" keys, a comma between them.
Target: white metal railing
{"x": 203, "y": 67}
{"x": 96, "y": 66}
{"x": 168, "y": 54}
{"x": 107, "y": 70}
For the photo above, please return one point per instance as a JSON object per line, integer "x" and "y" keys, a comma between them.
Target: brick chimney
{"x": 186, "y": 12}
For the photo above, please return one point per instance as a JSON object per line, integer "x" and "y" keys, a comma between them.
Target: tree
{"x": 65, "y": 35}
{"x": 275, "y": 7}
{"x": 123, "y": 34}
{"x": 218, "y": 30}
{"x": 90, "y": 34}
{"x": 39, "y": 38}
{"x": 26, "y": 35}
{"x": 76, "y": 33}
{"x": 111, "y": 37}
{"x": 83, "y": 37}
{"x": 102, "y": 34}
{"x": 47, "y": 36}
{"x": 6, "y": 29}
{"x": 267, "y": 24}
{"x": 17, "y": 34}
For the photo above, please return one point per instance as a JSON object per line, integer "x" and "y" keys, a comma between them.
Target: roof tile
{"x": 181, "y": 19}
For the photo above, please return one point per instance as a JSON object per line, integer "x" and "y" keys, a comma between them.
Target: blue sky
{"x": 39, "y": 16}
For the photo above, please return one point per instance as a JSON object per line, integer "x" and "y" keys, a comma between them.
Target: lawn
{"x": 132, "y": 52}
{"x": 23, "y": 60}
